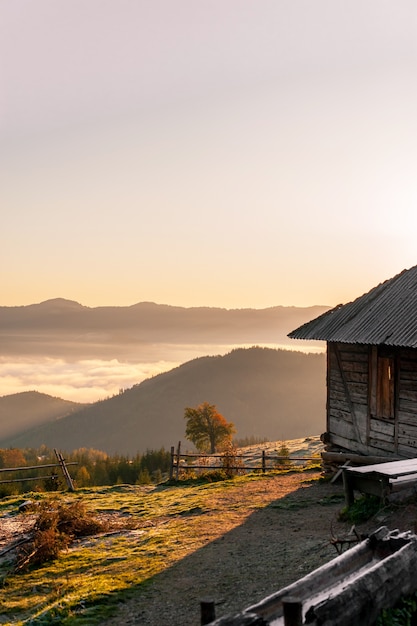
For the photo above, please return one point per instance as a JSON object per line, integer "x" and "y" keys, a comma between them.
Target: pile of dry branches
{"x": 57, "y": 524}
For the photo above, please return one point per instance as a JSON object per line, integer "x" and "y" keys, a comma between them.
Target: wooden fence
{"x": 60, "y": 463}
{"x": 263, "y": 462}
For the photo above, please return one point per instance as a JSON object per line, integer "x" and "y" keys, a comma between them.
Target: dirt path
{"x": 254, "y": 540}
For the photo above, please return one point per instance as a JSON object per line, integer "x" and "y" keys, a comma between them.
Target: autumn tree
{"x": 12, "y": 457}
{"x": 207, "y": 428}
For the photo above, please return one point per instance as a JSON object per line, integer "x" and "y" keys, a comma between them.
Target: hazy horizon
{"x": 109, "y": 304}
{"x": 84, "y": 355}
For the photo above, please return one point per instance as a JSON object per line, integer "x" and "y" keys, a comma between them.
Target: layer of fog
{"x": 92, "y": 379}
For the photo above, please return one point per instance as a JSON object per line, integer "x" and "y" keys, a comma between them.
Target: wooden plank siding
{"x": 407, "y": 403}
{"x": 353, "y": 419}
{"x": 347, "y": 397}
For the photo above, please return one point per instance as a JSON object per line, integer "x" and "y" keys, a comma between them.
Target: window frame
{"x": 383, "y": 383}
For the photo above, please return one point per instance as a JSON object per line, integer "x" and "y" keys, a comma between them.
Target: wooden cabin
{"x": 371, "y": 369}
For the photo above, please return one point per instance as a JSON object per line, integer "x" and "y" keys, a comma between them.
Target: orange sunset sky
{"x": 206, "y": 152}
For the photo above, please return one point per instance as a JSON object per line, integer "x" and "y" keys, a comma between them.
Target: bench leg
{"x": 347, "y": 484}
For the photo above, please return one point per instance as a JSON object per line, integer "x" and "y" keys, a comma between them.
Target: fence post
{"x": 178, "y": 460}
{"x": 171, "y": 469}
{"x": 263, "y": 462}
{"x": 208, "y": 612}
{"x": 66, "y": 473}
{"x": 293, "y": 611}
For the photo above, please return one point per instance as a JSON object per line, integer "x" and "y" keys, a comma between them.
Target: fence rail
{"x": 61, "y": 463}
{"x": 255, "y": 463}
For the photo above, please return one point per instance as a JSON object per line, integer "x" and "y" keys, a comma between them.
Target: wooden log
{"x": 384, "y": 583}
{"x": 241, "y": 619}
{"x": 359, "y": 459}
{"x": 270, "y": 608}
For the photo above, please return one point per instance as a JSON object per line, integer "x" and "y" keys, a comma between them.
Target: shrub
{"x": 231, "y": 462}
{"x": 283, "y": 461}
{"x": 361, "y": 510}
{"x": 403, "y": 614}
{"x": 56, "y": 525}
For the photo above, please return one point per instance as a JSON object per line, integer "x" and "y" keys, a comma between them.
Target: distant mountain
{"x": 22, "y": 411}
{"x": 60, "y": 324}
{"x": 276, "y": 394}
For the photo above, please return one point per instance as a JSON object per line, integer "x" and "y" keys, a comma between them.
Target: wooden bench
{"x": 379, "y": 479}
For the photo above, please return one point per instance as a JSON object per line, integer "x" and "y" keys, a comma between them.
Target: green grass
{"x": 87, "y": 581}
{"x": 85, "y": 584}
{"x": 361, "y": 510}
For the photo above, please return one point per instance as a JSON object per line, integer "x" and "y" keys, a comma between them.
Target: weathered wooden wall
{"x": 347, "y": 396}
{"x": 349, "y": 422}
{"x": 407, "y": 403}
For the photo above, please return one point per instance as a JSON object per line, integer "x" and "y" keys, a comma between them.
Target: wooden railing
{"x": 31, "y": 468}
{"x": 243, "y": 462}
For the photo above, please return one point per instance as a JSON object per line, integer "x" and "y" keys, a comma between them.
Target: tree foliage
{"x": 206, "y": 428}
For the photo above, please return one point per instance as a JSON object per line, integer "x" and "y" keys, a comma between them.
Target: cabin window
{"x": 383, "y": 383}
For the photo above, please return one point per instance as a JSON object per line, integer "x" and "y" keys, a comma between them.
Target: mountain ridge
{"x": 67, "y": 302}
{"x": 43, "y": 328}
{"x": 19, "y": 411}
{"x": 276, "y": 394}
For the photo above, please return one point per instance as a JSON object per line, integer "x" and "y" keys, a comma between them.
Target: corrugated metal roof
{"x": 385, "y": 315}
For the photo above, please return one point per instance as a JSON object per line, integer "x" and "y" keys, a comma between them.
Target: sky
{"x": 224, "y": 153}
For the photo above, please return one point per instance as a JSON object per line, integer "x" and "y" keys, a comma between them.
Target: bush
{"x": 403, "y": 614}
{"x": 232, "y": 464}
{"x": 57, "y": 524}
{"x": 283, "y": 461}
{"x": 361, "y": 510}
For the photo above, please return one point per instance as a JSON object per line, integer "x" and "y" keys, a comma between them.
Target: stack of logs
{"x": 333, "y": 461}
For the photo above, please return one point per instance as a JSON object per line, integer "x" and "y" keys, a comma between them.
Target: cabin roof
{"x": 387, "y": 314}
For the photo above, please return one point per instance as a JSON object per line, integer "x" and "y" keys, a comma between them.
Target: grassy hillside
{"x": 174, "y": 544}
{"x": 268, "y": 393}
{"x": 22, "y": 411}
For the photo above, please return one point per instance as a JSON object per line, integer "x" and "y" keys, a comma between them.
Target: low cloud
{"x": 89, "y": 380}
{"x": 80, "y": 381}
